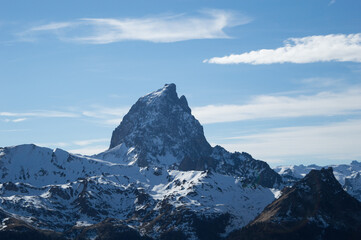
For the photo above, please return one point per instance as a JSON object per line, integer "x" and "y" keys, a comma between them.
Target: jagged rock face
{"x": 243, "y": 165}
{"x": 316, "y": 207}
{"x": 158, "y": 124}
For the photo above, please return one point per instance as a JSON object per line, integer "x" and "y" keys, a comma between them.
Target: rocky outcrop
{"x": 316, "y": 207}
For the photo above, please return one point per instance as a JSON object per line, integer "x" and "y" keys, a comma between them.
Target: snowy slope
{"x": 40, "y": 166}
{"x": 57, "y": 190}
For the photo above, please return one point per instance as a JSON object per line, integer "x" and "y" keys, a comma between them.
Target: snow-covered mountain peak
{"x": 160, "y": 129}
{"x": 165, "y": 96}
{"x": 356, "y": 164}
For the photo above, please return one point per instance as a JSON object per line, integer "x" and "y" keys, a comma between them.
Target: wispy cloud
{"x": 103, "y": 112}
{"x": 85, "y": 147}
{"x": 100, "y": 114}
{"x": 322, "y": 82}
{"x": 89, "y": 150}
{"x": 336, "y": 141}
{"x": 53, "y": 144}
{"x": 269, "y": 106}
{"x": 51, "y": 26}
{"x": 85, "y": 142}
{"x": 323, "y": 48}
{"x": 106, "y": 115}
{"x": 48, "y": 114}
{"x": 19, "y": 119}
{"x": 15, "y": 120}
{"x": 90, "y": 141}
{"x": 14, "y": 130}
{"x": 207, "y": 24}
{"x": 331, "y": 2}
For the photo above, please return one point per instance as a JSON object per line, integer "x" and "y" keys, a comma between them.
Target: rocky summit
{"x": 316, "y": 207}
{"x": 160, "y": 179}
{"x": 160, "y": 127}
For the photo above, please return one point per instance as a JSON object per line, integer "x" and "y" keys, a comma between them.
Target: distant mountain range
{"x": 161, "y": 179}
{"x": 349, "y": 175}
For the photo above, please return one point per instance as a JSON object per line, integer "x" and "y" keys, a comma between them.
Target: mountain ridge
{"x": 181, "y": 137}
{"x": 159, "y": 178}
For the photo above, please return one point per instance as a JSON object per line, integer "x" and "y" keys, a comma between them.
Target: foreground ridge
{"x": 316, "y": 207}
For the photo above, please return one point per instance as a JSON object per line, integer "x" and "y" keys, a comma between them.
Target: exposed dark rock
{"x": 58, "y": 191}
{"x": 316, "y": 207}
{"x": 10, "y": 186}
{"x": 15, "y": 229}
{"x": 161, "y": 123}
{"x": 109, "y": 229}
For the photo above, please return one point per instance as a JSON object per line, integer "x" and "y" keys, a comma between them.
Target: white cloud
{"x": 105, "y": 112}
{"x": 333, "y": 47}
{"x": 106, "y": 115}
{"x": 90, "y": 141}
{"x": 336, "y": 141}
{"x": 14, "y": 130}
{"x": 103, "y": 115}
{"x": 51, "y": 26}
{"x": 89, "y": 150}
{"x": 53, "y": 144}
{"x": 269, "y": 106}
{"x": 322, "y": 82}
{"x": 87, "y": 146}
{"x": 171, "y": 28}
{"x": 112, "y": 122}
{"x": 19, "y": 119}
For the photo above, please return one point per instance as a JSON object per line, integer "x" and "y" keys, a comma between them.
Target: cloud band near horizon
{"x": 270, "y": 106}
{"x": 321, "y": 48}
{"x": 334, "y": 141}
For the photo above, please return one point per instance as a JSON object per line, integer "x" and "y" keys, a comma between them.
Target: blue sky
{"x": 278, "y": 79}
